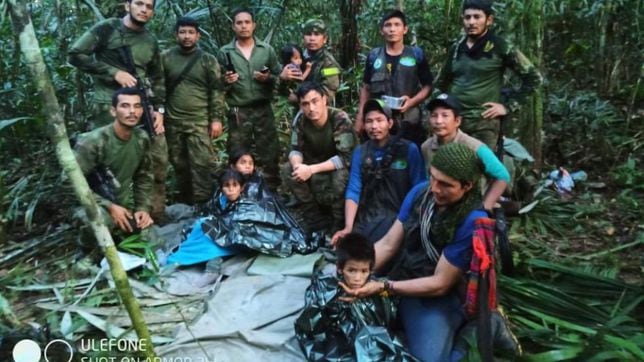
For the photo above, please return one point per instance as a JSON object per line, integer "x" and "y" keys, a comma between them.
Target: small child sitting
{"x": 232, "y": 184}
{"x": 199, "y": 246}
{"x": 242, "y": 161}
{"x": 331, "y": 328}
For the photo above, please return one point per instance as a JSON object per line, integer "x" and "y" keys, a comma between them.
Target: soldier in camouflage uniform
{"x": 249, "y": 91}
{"x": 321, "y": 145}
{"x": 325, "y": 69}
{"x": 194, "y": 112}
{"x": 97, "y": 52}
{"x": 473, "y": 73}
{"x": 122, "y": 148}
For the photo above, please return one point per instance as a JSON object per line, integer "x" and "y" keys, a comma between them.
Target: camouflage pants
{"x": 485, "y": 130}
{"x": 192, "y": 158}
{"x": 86, "y": 237}
{"x": 321, "y": 197}
{"x": 254, "y": 128}
{"x": 159, "y": 150}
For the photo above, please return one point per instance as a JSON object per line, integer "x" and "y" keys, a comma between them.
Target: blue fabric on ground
{"x": 198, "y": 248}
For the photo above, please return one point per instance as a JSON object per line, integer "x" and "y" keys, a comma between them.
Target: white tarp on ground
{"x": 249, "y": 317}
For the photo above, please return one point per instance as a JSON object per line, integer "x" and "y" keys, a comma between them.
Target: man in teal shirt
{"x": 250, "y": 77}
{"x": 474, "y": 69}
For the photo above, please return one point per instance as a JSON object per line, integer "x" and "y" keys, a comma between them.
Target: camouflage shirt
{"x": 97, "y": 53}
{"x": 198, "y": 99}
{"x": 128, "y": 160}
{"x": 325, "y": 70}
{"x": 334, "y": 141}
{"x": 475, "y": 75}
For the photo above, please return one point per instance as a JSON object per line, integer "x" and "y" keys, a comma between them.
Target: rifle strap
{"x": 172, "y": 85}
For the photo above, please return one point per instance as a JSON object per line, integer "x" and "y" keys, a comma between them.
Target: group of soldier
{"x": 194, "y": 95}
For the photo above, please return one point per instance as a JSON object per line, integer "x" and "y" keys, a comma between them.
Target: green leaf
{"x": 10, "y": 122}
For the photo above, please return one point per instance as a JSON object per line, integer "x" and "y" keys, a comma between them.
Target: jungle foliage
{"x": 577, "y": 291}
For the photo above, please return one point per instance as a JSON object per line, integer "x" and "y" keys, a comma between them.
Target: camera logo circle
{"x": 26, "y": 351}
{"x": 59, "y": 348}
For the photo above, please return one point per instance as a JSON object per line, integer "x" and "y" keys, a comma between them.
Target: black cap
{"x": 447, "y": 101}
{"x": 376, "y": 105}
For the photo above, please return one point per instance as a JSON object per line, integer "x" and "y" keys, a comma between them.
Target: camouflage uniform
{"x": 325, "y": 69}
{"x": 251, "y": 122}
{"x": 190, "y": 107}
{"x": 475, "y": 76}
{"x": 335, "y": 141}
{"x": 129, "y": 161}
{"x": 96, "y": 52}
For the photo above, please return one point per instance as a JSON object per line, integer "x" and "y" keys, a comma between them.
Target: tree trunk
{"x": 349, "y": 43}
{"x": 531, "y": 115}
{"x": 33, "y": 59}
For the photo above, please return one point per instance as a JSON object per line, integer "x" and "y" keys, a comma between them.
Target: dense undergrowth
{"x": 577, "y": 291}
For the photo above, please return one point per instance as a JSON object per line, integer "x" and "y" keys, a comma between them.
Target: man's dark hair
{"x": 123, "y": 91}
{"x": 354, "y": 246}
{"x": 187, "y": 21}
{"x": 306, "y": 87}
{"x": 393, "y": 14}
{"x": 154, "y": 2}
{"x": 238, "y": 11}
{"x": 483, "y": 5}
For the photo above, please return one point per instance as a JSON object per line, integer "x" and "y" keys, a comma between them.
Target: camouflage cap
{"x": 314, "y": 26}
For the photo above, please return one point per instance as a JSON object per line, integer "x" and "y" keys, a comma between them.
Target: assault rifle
{"x": 147, "y": 120}
{"x": 103, "y": 182}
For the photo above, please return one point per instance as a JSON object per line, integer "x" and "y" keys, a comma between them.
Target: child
{"x": 330, "y": 328}
{"x": 232, "y": 184}
{"x": 291, "y": 56}
{"x": 201, "y": 244}
{"x": 241, "y": 160}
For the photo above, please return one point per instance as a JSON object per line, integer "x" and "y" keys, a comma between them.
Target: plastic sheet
{"x": 262, "y": 225}
{"x": 333, "y": 330}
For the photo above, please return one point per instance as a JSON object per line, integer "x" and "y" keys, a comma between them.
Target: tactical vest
{"x": 384, "y": 184}
{"x": 403, "y": 82}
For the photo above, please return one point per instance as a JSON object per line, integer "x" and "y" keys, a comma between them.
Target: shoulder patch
{"x": 408, "y": 61}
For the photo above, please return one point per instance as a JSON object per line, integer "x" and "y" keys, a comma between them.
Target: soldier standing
{"x": 397, "y": 70}
{"x": 194, "y": 111}
{"x": 473, "y": 73}
{"x": 252, "y": 70}
{"x": 325, "y": 70}
{"x": 99, "y": 52}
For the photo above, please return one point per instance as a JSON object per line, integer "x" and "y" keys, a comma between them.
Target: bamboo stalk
{"x": 30, "y": 50}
